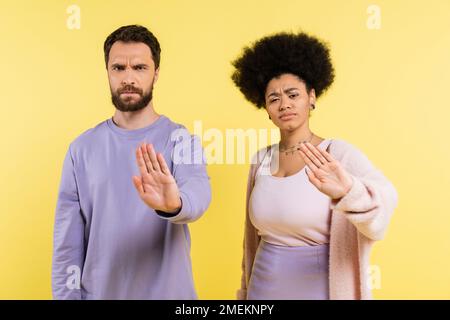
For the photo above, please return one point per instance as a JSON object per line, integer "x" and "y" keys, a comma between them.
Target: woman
{"x": 315, "y": 206}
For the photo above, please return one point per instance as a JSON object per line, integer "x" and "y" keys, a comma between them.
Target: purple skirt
{"x": 290, "y": 273}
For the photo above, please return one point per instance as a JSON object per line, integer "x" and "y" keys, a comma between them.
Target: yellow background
{"x": 390, "y": 99}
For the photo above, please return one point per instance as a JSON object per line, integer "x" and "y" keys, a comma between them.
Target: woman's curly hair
{"x": 300, "y": 54}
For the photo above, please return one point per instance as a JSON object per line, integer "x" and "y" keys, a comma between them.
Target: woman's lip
{"x": 287, "y": 116}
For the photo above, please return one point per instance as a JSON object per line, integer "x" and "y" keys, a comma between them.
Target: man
{"x": 129, "y": 187}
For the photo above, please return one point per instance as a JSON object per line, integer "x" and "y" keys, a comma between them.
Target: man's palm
{"x": 156, "y": 185}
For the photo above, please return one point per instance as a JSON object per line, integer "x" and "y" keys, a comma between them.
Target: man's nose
{"x": 128, "y": 78}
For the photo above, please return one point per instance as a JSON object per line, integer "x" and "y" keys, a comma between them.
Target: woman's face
{"x": 288, "y": 101}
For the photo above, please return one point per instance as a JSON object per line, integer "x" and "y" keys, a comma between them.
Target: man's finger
{"x": 140, "y": 162}
{"x": 152, "y": 156}
{"x": 163, "y": 164}
{"x": 137, "y": 181}
{"x": 147, "y": 161}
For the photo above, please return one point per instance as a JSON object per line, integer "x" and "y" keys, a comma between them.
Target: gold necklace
{"x": 295, "y": 147}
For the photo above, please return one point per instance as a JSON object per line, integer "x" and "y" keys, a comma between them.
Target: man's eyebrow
{"x": 117, "y": 64}
{"x": 141, "y": 65}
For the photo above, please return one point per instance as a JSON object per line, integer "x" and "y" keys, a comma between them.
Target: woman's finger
{"x": 310, "y": 155}
{"x": 312, "y": 178}
{"x": 316, "y": 152}
{"x": 326, "y": 155}
{"x": 308, "y": 161}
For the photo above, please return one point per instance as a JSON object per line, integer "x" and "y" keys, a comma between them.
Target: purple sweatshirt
{"x": 108, "y": 244}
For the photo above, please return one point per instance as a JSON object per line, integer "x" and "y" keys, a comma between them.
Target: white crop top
{"x": 289, "y": 211}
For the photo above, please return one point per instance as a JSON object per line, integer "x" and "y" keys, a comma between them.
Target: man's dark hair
{"x": 133, "y": 33}
{"x": 296, "y": 53}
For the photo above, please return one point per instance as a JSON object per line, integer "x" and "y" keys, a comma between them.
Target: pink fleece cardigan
{"x": 358, "y": 219}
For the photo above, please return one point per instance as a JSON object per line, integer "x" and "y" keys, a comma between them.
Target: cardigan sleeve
{"x": 370, "y": 202}
{"x": 251, "y": 237}
{"x": 250, "y": 234}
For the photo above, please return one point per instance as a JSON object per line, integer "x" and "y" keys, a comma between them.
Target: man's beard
{"x": 128, "y": 106}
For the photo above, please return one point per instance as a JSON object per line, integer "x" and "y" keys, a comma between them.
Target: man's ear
{"x": 156, "y": 75}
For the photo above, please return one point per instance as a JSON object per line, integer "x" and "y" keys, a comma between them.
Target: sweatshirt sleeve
{"x": 68, "y": 238}
{"x": 189, "y": 171}
{"x": 370, "y": 202}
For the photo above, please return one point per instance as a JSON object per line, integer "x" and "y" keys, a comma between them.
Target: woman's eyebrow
{"x": 290, "y": 89}
{"x": 276, "y": 94}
